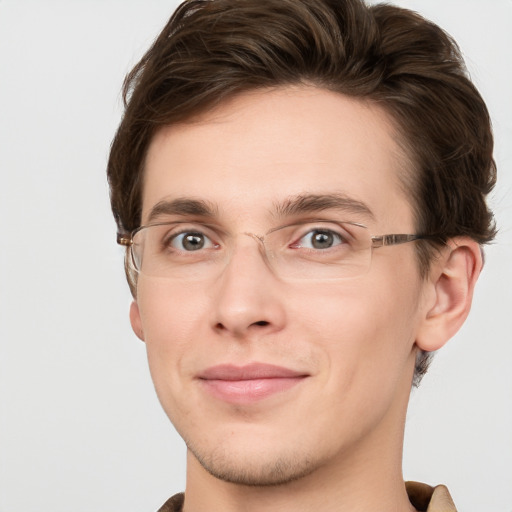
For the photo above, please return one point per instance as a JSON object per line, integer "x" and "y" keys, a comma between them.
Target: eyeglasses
{"x": 315, "y": 249}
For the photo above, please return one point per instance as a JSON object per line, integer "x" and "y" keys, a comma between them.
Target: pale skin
{"x": 335, "y": 439}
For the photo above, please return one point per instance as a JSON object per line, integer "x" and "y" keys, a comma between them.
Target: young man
{"x": 300, "y": 185}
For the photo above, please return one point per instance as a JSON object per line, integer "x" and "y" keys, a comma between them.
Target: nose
{"x": 247, "y": 299}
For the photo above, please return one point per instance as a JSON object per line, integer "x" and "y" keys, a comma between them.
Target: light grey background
{"x": 80, "y": 426}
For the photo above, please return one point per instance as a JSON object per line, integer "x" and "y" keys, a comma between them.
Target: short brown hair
{"x": 211, "y": 50}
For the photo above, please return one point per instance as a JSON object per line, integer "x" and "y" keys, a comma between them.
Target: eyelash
{"x": 340, "y": 236}
{"x": 169, "y": 238}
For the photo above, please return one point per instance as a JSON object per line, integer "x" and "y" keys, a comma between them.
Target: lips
{"x": 250, "y": 383}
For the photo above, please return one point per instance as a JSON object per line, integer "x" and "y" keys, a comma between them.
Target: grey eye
{"x": 320, "y": 239}
{"x": 191, "y": 241}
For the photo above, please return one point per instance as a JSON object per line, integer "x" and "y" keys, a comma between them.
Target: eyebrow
{"x": 182, "y": 206}
{"x": 296, "y": 205}
{"x": 311, "y": 203}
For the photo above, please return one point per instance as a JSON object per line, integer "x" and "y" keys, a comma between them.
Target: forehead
{"x": 265, "y": 147}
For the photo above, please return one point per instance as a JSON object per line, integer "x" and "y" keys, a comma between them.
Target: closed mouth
{"x": 248, "y": 383}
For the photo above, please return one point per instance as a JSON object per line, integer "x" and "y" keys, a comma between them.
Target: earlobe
{"x": 451, "y": 284}
{"x": 135, "y": 320}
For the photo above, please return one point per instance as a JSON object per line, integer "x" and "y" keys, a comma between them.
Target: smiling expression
{"x": 269, "y": 379}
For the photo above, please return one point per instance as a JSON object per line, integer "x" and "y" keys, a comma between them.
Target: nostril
{"x": 261, "y": 323}
{"x": 221, "y": 327}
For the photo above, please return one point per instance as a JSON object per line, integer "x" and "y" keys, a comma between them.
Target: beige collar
{"x": 424, "y": 497}
{"x": 430, "y": 499}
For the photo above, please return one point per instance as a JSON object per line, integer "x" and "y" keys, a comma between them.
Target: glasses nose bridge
{"x": 254, "y": 236}
{"x": 262, "y": 248}
{"x": 260, "y": 240}
{"x": 239, "y": 256}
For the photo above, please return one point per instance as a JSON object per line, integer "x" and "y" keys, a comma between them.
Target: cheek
{"x": 172, "y": 316}
{"x": 169, "y": 311}
{"x": 364, "y": 330}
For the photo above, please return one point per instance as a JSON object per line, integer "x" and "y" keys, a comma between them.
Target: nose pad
{"x": 263, "y": 249}
{"x": 258, "y": 239}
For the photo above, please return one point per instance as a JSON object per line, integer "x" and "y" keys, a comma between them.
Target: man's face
{"x": 268, "y": 379}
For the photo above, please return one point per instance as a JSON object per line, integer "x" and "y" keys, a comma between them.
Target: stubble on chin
{"x": 255, "y": 470}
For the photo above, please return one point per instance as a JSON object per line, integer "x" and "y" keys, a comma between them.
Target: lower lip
{"x": 247, "y": 391}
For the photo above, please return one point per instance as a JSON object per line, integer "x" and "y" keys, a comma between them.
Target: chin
{"x": 254, "y": 469}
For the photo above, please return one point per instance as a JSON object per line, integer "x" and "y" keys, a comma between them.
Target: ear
{"x": 450, "y": 283}
{"x": 135, "y": 320}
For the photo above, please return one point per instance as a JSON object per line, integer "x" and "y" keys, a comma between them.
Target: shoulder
{"x": 174, "y": 504}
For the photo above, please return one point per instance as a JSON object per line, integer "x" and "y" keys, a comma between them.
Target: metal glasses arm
{"x": 379, "y": 241}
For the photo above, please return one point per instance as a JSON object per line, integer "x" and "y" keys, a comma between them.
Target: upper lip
{"x": 249, "y": 372}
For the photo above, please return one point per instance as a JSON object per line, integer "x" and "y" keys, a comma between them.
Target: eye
{"x": 320, "y": 239}
{"x": 191, "y": 241}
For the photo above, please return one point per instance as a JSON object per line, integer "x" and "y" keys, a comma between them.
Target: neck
{"x": 378, "y": 487}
